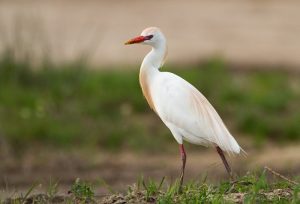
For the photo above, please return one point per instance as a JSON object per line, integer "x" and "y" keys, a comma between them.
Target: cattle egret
{"x": 182, "y": 108}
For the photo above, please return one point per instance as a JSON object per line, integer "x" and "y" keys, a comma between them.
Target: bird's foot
{"x": 180, "y": 184}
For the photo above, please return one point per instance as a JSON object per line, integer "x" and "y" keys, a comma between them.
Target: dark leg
{"x": 183, "y": 158}
{"x": 220, "y": 152}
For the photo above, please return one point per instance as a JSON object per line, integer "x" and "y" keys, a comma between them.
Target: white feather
{"x": 188, "y": 113}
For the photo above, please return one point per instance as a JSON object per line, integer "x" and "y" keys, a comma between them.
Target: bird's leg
{"x": 228, "y": 169}
{"x": 183, "y": 158}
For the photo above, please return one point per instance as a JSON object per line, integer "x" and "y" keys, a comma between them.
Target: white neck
{"x": 150, "y": 68}
{"x": 155, "y": 58}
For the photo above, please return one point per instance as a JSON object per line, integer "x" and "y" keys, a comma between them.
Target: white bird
{"x": 182, "y": 108}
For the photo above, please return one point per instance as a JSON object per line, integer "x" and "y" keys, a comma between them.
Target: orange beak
{"x": 137, "y": 39}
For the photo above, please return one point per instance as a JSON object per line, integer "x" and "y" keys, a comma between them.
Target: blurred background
{"x": 71, "y": 105}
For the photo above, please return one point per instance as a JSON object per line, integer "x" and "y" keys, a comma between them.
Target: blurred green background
{"x": 71, "y": 104}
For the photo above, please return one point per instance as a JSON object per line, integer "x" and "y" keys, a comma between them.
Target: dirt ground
{"x": 118, "y": 170}
{"x": 243, "y": 32}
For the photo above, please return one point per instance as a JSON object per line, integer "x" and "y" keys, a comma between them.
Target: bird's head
{"x": 150, "y": 36}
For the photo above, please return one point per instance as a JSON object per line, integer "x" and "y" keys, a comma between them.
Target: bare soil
{"x": 118, "y": 170}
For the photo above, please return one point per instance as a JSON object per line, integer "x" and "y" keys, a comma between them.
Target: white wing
{"x": 188, "y": 114}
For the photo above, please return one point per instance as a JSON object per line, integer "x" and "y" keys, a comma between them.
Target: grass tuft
{"x": 82, "y": 191}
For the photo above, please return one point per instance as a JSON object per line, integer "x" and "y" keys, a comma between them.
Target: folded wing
{"x": 179, "y": 103}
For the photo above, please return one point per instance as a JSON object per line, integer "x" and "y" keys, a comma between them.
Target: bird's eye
{"x": 148, "y": 37}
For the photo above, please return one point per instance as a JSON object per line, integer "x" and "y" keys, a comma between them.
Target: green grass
{"x": 71, "y": 105}
{"x": 251, "y": 188}
{"x": 82, "y": 191}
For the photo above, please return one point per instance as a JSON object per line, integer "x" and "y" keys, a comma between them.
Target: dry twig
{"x": 281, "y": 176}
